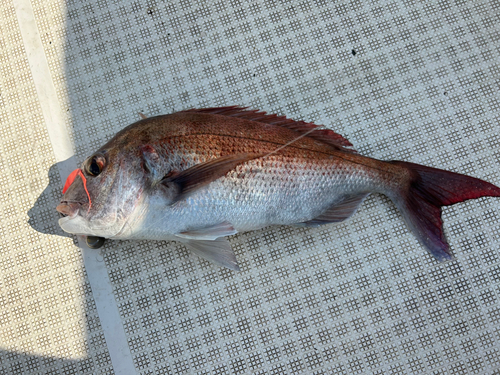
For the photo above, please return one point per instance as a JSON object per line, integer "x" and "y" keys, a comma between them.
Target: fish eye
{"x": 95, "y": 166}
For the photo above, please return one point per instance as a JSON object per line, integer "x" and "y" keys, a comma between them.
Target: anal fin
{"x": 340, "y": 211}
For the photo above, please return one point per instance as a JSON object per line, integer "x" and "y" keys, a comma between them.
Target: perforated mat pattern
{"x": 402, "y": 80}
{"x": 48, "y": 319}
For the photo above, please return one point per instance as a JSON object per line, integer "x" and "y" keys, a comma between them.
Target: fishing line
{"x": 294, "y": 140}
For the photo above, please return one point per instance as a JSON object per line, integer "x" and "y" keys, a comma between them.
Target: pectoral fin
{"x": 202, "y": 174}
{"x": 217, "y": 251}
{"x": 340, "y": 211}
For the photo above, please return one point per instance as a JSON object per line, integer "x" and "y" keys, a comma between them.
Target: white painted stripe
{"x": 47, "y": 96}
{"x": 102, "y": 290}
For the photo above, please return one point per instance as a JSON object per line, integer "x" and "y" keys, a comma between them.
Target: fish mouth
{"x": 74, "y": 219}
{"x": 75, "y": 225}
{"x": 69, "y": 209}
{"x": 71, "y": 221}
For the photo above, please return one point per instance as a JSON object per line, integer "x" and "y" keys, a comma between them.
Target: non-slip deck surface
{"x": 403, "y": 80}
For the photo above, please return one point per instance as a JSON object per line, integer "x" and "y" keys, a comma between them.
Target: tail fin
{"x": 429, "y": 189}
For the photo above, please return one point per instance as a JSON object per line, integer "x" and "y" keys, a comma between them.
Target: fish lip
{"x": 69, "y": 209}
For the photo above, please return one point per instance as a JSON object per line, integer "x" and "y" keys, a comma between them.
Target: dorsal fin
{"x": 324, "y": 135}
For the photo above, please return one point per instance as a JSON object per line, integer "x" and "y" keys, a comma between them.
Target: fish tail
{"x": 424, "y": 193}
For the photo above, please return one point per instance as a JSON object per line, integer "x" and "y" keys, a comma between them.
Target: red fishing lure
{"x": 71, "y": 179}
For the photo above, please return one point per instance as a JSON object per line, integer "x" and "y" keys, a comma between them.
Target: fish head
{"x": 99, "y": 197}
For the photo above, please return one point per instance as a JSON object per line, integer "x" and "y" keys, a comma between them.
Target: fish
{"x": 200, "y": 175}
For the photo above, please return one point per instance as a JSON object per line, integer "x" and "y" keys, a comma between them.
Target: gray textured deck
{"x": 409, "y": 80}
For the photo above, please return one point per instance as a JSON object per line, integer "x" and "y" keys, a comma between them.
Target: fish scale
{"x": 198, "y": 176}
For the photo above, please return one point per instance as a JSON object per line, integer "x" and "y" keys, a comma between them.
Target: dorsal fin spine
{"x": 327, "y": 136}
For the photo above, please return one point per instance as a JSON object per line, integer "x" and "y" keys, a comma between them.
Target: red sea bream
{"x": 198, "y": 176}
